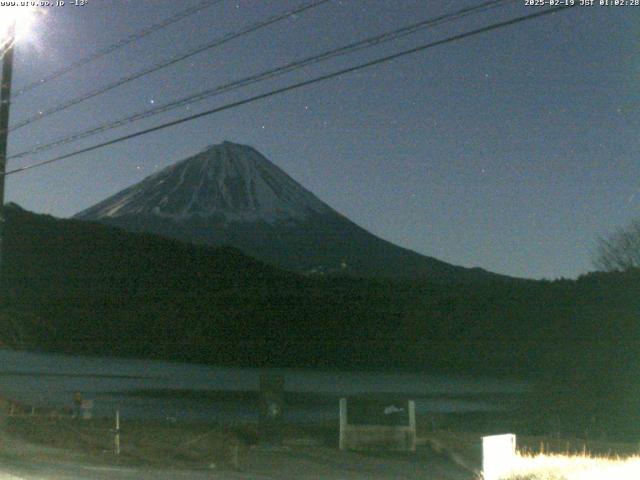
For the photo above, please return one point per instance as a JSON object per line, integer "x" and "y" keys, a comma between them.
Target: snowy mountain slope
{"x": 230, "y": 181}
{"x": 230, "y": 194}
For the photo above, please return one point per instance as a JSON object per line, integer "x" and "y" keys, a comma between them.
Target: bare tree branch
{"x": 620, "y": 250}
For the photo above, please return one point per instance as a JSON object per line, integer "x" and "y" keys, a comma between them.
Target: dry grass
{"x": 573, "y": 467}
{"x": 142, "y": 442}
{"x": 545, "y": 458}
{"x": 146, "y": 442}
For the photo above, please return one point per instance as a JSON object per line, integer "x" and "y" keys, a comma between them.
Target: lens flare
{"x": 22, "y": 17}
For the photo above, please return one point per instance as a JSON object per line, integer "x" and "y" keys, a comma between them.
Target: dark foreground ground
{"x": 61, "y": 448}
{"x": 262, "y": 463}
{"x": 43, "y": 448}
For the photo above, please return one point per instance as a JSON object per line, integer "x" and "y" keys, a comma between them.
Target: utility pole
{"x": 5, "y": 105}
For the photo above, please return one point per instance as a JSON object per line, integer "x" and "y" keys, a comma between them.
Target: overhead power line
{"x": 167, "y": 63}
{"x": 296, "y": 86}
{"x": 271, "y": 73}
{"x": 118, "y": 45}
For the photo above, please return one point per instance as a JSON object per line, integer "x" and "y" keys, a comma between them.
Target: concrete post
{"x": 412, "y": 425}
{"x": 343, "y": 423}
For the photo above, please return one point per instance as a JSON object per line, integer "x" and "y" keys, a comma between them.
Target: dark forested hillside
{"x": 86, "y": 288}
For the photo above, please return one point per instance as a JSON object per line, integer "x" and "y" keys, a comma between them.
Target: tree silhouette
{"x": 620, "y": 250}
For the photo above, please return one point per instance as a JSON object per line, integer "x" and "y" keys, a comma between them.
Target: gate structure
{"x": 370, "y": 424}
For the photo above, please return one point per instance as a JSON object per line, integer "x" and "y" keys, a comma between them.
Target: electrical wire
{"x": 167, "y": 63}
{"x": 271, "y": 73}
{"x": 118, "y": 45}
{"x": 296, "y": 86}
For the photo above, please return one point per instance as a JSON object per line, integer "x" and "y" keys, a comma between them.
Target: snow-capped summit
{"x": 226, "y": 181}
{"x": 230, "y": 194}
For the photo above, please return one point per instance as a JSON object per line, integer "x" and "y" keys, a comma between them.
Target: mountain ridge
{"x": 230, "y": 194}
{"x": 230, "y": 180}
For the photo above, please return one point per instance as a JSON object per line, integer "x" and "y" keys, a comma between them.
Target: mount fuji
{"x": 230, "y": 194}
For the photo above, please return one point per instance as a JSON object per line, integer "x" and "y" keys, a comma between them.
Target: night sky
{"x": 511, "y": 150}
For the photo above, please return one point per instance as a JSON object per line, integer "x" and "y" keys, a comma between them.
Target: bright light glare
{"x": 24, "y": 19}
{"x": 498, "y": 453}
{"x": 576, "y": 467}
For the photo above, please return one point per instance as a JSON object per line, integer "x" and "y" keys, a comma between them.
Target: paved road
{"x": 262, "y": 463}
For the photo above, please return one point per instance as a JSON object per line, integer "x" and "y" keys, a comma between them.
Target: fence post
{"x": 412, "y": 425}
{"x": 117, "y": 433}
{"x": 343, "y": 423}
